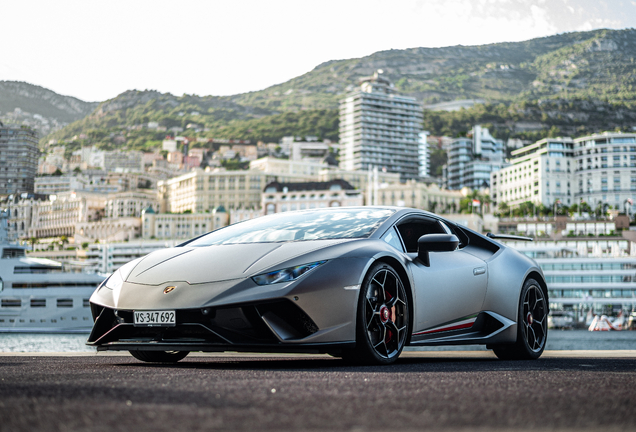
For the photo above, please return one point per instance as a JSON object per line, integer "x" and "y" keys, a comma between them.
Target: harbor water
{"x": 557, "y": 340}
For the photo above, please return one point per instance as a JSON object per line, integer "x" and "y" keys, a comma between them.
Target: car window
{"x": 461, "y": 235}
{"x": 392, "y": 238}
{"x": 412, "y": 229}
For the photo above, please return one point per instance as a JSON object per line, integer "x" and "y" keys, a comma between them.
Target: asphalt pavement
{"x": 459, "y": 391}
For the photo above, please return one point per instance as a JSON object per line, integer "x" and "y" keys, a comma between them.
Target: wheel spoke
{"x": 371, "y": 320}
{"x": 531, "y": 338}
{"x": 535, "y": 331}
{"x": 370, "y": 304}
{"x": 386, "y": 329}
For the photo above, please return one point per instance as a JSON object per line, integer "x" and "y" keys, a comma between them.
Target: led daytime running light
{"x": 285, "y": 275}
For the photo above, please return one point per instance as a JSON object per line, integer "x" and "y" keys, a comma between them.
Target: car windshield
{"x": 301, "y": 225}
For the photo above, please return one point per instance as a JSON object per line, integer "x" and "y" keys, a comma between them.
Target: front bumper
{"x": 276, "y": 325}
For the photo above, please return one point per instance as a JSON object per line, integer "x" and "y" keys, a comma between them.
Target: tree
{"x": 503, "y": 209}
{"x": 573, "y": 209}
{"x": 63, "y": 241}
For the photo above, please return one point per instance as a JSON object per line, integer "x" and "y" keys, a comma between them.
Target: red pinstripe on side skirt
{"x": 462, "y": 323}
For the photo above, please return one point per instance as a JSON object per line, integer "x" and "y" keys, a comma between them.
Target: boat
{"x": 38, "y": 296}
{"x": 604, "y": 323}
{"x": 559, "y": 319}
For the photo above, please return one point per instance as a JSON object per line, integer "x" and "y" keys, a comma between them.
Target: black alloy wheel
{"x": 383, "y": 317}
{"x": 532, "y": 325}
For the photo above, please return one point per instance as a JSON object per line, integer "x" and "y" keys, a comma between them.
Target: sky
{"x": 95, "y": 50}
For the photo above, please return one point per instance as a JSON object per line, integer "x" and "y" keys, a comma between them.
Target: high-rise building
{"x": 18, "y": 160}
{"x": 471, "y": 160}
{"x": 380, "y": 128}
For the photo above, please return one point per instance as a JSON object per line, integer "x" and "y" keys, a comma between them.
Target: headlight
{"x": 285, "y": 275}
{"x": 116, "y": 280}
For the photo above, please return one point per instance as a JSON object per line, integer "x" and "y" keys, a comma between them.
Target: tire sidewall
{"x": 522, "y": 341}
{"x": 366, "y": 352}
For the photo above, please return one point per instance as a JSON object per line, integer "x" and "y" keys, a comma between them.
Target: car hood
{"x": 196, "y": 265}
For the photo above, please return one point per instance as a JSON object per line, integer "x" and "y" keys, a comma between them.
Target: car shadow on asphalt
{"x": 403, "y": 365}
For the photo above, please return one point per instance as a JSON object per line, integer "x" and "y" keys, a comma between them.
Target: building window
{"x": 11, "y": 303}
{"x": 65, "y": 303}
{"x": 38, "y": 303}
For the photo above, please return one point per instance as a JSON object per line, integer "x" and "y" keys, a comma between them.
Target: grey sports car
{"x": 360, "y": 283}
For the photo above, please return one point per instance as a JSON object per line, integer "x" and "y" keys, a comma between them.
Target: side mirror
{"x": 435, "y": 243}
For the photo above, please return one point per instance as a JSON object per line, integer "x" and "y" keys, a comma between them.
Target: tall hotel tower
{"x": 18, "y": 159}
{"x": 380, "y": 128}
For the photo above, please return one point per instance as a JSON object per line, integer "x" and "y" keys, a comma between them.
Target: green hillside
{"x": 571, "y": 84}
{"x": 591, "y": 64}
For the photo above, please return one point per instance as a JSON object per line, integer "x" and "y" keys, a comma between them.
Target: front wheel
{"x": 532, "y": 326}
{"x": 159, "y": 356}
{"x": 382, "y": 322}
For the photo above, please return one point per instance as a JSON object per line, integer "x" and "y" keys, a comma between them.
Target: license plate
{"x": 155, "y": 318}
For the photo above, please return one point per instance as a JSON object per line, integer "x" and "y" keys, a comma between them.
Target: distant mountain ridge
{"x": 42, "y": 101}
{"x": 39, "y": 107}
{"x": 583, "y": 64}
{"x": 569, "y": 83}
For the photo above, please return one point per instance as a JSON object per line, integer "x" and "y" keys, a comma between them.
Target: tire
{"x": 159, "y": 356}
{"x": 382, "y": 321}
{"x": 532, "y": 325}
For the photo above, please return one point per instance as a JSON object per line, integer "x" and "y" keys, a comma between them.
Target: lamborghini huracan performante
{"x": 359, "y": 283}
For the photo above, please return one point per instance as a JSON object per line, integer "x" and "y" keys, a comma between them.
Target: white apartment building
{"x": 200, "y": 191}
{"x": 52, "y": 185}
{"x": 59, "y": 215}
{"x": 605, "y": 167}
{"x": 108, "y": 230}
{"x": 315, "y": 151}
{"x": 181, "y": 226}
{"x": 19, "y": 210}
{"x": 419, "y": 195}
{"x": 541, "y": 173}
{"x": 130, "y": 203}
{"x": 108, "y": 257}
{"x": 471, "y": 160}
{"x": 120, "y": 161}
{"x": 321, "y": 171}
{"x": 597, "y": 169}
{"x": 282, "y": 197}
{"x": 301, "y": 169}
{"x": 96, "y": 181}
{"x": 380, "y": 128}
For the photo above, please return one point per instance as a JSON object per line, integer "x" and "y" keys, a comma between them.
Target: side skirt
{"x": 482, "y": 328}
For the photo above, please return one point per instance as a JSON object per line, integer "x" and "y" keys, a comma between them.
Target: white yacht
{"x": 37, "y": 295}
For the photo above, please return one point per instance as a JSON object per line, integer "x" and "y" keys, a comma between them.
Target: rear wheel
{"x": 382, "y": 319}
{"x": 532, "y": 326}
{"x": 159, "y": 356}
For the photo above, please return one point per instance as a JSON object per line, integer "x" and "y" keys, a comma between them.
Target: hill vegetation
{"x": 568, "y": 84}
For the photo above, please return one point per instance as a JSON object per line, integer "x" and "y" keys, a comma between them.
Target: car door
{"x": 451, "y": 290}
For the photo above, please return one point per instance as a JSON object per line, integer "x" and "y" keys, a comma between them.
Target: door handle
{"x": 479, "y": 271}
